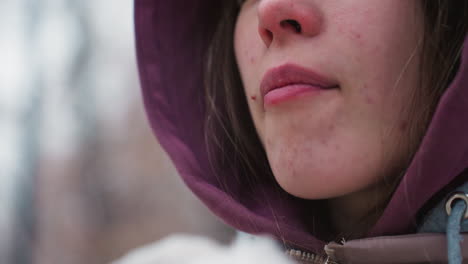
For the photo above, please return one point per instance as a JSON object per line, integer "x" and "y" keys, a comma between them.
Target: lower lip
{"x": 289, "y": 92}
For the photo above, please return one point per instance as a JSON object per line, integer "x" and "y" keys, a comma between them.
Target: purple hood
{"x": 170, "y": 51}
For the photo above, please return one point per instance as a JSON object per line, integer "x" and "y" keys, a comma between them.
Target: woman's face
{"x": 327, "y": 83}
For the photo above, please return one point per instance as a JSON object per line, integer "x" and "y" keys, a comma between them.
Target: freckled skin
{"x": 335, "y": 137}
{"x": 324, "y": 142}
{"x": 403, "y": 126}
{"x": 369, "y": 99}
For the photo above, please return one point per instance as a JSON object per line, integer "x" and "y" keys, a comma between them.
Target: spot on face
{"x": 403, "y": 126}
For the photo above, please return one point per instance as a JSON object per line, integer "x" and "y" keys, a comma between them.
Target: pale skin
{"x": 341, "y": 144}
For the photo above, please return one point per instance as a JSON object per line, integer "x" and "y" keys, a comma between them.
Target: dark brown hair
{"x": 230, "y": 133}
{"x": 444, "y": 32}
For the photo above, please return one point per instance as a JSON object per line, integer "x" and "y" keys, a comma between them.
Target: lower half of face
{"x": 332, "y": 142}
{"x": 320, "y": 146}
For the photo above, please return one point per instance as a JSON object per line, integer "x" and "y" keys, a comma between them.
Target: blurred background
{"x": 82, "y": 179}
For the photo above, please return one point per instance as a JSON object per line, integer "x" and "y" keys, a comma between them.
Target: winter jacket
{"x": 172, "y": 39}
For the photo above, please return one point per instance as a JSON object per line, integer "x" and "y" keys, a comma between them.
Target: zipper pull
{"x": 307, "y": 257}
{"x": 331, "y": 258}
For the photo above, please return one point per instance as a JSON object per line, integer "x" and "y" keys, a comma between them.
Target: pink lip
{"x": 288, "y": 81}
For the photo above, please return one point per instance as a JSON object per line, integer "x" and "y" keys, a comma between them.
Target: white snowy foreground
{"x": 184, "y": 249}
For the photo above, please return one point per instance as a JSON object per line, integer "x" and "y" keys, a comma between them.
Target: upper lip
{"x": 289, "y": 74}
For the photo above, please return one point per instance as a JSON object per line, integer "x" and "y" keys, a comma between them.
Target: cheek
{"x": 249, "y": 51}
{"x": 248, "y": 47}
{"x": 384, "y": 59}
{"x": 243, "y": 44}
{"x": 244, "y": 41}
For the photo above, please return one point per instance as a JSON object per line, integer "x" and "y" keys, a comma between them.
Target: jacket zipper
{"x": 304, "y": 257}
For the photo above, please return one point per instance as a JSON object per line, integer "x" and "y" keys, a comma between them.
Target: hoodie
{"x": 172, "y": 39}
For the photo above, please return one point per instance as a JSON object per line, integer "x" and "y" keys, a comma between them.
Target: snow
{"x": 186, "y": 249}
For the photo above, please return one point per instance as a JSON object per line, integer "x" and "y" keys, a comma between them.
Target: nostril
{"x": 266, "y": 35}
{"x": 269, "y": 35}
{"x": 292, "y": 24}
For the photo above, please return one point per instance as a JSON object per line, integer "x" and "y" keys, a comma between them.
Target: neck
{"x": 354, "y": 214}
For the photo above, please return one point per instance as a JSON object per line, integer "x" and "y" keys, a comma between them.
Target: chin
{"x": 320, "y": 184}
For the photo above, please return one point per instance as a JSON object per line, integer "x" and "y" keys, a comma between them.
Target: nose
{"x": 281, "y": 19}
